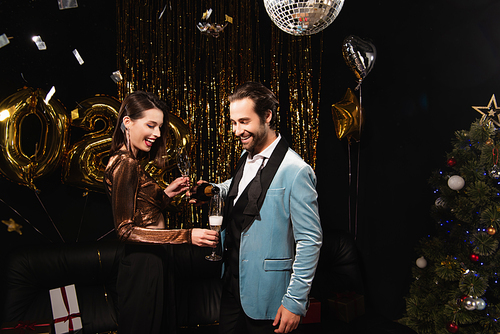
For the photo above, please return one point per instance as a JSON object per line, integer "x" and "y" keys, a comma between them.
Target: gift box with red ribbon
{"x": 313, "y": 314}
{"x": 347, "y": 306}
{"x": 65, "y": 309}
{"x": 27, "y": 327}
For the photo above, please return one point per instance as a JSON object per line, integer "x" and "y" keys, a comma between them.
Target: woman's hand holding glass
{"x": 177, "y": 186}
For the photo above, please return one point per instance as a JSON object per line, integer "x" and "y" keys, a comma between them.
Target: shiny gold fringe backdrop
{"x": 160, "y": 49}
{"x": 298, "y": 60}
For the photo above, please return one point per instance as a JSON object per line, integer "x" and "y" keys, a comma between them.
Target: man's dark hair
{"x": 263, "y": 99}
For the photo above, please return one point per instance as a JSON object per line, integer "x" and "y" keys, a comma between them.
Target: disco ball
{"x": 303, "y": 17}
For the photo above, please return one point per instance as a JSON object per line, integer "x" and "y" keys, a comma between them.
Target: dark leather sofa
{"x": 31, "y": 272}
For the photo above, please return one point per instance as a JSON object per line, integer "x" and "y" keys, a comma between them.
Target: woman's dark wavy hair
{"x": 263, "y": 99}
{"x": 134, "y": 106}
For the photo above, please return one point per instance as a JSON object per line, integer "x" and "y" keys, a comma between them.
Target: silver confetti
{"x": 65, "y": 4}
{"x": 77, "y": 56}
{"x": 163, "y": 11}
{"x": 4, "y": 40}
{"x": 49, "y": 94}
{"x": 40, "y": 44}
{"x": 116, "y": 76}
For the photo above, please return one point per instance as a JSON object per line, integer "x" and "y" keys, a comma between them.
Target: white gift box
{"x": 65, "y": 310}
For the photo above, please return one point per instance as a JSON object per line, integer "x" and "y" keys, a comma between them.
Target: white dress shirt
{"x": 253, "y": 164}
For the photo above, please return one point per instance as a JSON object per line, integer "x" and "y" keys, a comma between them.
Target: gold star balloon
{"x": 347, "y": 117}
{"x": 12, "y": 226}
{"x": 491, "y": 111}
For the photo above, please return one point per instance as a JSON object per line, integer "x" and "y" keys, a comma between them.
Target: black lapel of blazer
{"x": 234, "y": 182}
{"x": 267, "y": 176}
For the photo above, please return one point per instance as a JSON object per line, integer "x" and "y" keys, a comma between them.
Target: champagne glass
{"x": 183, "y": 162}
{"x": 215, "y": 221}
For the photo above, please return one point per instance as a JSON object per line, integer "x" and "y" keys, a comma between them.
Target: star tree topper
{"x": 491, "y": 111}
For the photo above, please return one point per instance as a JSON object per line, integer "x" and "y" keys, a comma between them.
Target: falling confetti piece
{"x": 49, "y": 94}
{"x": 206, "y": 15}
{"x": 4, "y": 40}
{"x": 40, "y": 44}
{"x": 77, "y": 56}
{"x": 212, "y": 29}
{"x": 116, "y": 76}
{"x": 163, "y": 11}
{"x": 65, "y": 4}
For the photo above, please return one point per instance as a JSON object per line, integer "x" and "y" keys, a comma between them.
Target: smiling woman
{"x": 145, "y": 131}
{"x": 138, "y": 203}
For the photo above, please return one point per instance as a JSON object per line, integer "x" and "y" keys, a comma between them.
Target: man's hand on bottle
{"x": 191, "y": 191}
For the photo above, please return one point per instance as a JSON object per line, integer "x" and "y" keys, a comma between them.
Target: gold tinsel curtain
{"x": 160, "y": 49}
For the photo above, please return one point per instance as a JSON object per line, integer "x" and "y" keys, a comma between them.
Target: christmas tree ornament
{"x": 469, "y": 304}
{"x": 480, "y": 304}
{"x": 452, "y": 327}
{"x": 465, "y": 262}
{"x": 460, "y": 300}
{"x": 451, "y": 162}
{"x": 440, "y": 203}
{"x": 456, "y": 182}
{"x": 491, "y": 111}
{"x": 474, "y": 257}
{"x": 421, "y": 262}
{"x": 495, "y": 172}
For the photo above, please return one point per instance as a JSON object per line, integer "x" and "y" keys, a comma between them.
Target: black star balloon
{"x": 347, "y": 117}
{"x": 491, "y": 111}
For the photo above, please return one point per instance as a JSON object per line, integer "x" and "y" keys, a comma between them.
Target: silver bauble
{"x": 421, "y": 262}
{"x": 495, "y": 172}
{"x": 469, "y": 304}
{"x": 456, "y": 182}
{"x": 480, "y": 304}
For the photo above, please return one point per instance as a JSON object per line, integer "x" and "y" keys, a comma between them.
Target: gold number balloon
{"x": 86, "y": 160}
{"x": 179, "y": 137}
{"x": 347, "y": 117}
{"x": 33, "y": 136}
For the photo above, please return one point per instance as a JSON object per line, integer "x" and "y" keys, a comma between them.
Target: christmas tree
{"x": 456, "y": 285}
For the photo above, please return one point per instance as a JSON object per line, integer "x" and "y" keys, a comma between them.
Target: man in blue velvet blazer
{"x": 271, "y": 231}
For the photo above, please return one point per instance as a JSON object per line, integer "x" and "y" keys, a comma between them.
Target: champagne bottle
{"x": 205, "y": 191}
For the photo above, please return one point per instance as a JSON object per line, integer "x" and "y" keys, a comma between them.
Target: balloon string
{"x": 105, "y": 234}
{"x": 350, "y": 181}
{"x": 356, "y": 184}
{"x": 355, "y": 195}
{"x": 26, "y": 220}
{"x": 83, "y": 215}
{"x": 358, "y": 164}
{"x": 53, "y": 224}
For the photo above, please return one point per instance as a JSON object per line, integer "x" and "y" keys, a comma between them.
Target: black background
{"x": 435, "y": 59}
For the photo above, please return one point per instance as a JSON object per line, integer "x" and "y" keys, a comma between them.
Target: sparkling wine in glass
{"x": 215, "y": 221}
